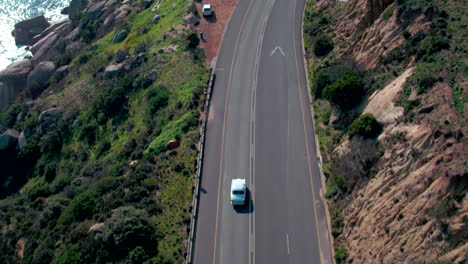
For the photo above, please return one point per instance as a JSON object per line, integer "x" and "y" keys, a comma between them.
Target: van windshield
{"x": 238, "y": 192}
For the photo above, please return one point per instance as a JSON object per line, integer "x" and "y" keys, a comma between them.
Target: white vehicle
{"x": 238, "y": 191}
{"x": 207, "y": 10}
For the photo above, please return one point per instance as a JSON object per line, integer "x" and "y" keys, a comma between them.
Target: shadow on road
{"x": 212, "y": 18}
{"x": 248, "y": 207}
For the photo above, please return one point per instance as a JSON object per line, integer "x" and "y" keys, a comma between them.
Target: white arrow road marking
{"x": 275, "y": 49}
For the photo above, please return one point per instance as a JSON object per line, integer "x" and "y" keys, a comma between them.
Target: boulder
{"x": 41, "y": 74}
{"x": 25, "y": 30}
{"x": 47, "y": 48}
{"x": 191, "y": 20}
{"x": 57, "y": 26}
{"x": 48, "y": 120}
{"x": 113, "y": 70}
{"x": 119, "y": 56}
{"x": 62, "y": 71}
{"x": 119, "y": 37}
{"x": 111, "y": 3}
{"x": 8, "y": 139}
{"x": 146, "y": 3}
{"x": 16, "y": 73}
{"x": 95, "y": 11}
{"x": 156, "y": 19}
{"x": 75, "y": 8}
{"x": 13, "y": 81}
{"x": 96, "y": 228}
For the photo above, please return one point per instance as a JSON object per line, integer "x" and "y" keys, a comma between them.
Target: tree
{"x": 193, "y": 40}
{"x": 322, "y": 45}
{"x": 127, "y": 229}
{"x": 366, "y": 126}
{"x": 321, "y": 80}
{"x": 346, "y": 92}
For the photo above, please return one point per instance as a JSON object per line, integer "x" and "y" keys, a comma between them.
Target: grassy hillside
{"x": 105, "y": 159}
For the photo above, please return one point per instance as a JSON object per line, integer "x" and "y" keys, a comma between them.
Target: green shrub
{"x": 388, "y": 12}
{"x": 70, "y": 255}
{"x": 341, "y": 255}
{"x": 346, "y": 92}
{"x": 84, "y": 58}
{"x": 136, "y": 256}
{"x": 424, "y": 77}
{"x": 128, "y": 228}
{"x": 322, "y": 45}
{"x": 82, "y": 207}
{"x": 320, "y": 81}
{"x": 366, "y": 126}
{"x": 110, "y": 102}
{"x": 30, "y": 152}
{"x": 193, "y": 40}
{"x": 432, "y": 44}
{"x": 8, "y": 117}
{"x": 158, "y": 98}
{"x": 88, "y": 132}
{"x": 62, "y": 60}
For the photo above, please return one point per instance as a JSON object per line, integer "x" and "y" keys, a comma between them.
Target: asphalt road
{"x": 260, "y": 129}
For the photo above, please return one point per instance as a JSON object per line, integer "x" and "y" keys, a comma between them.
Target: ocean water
{"x": 14, "y": 11}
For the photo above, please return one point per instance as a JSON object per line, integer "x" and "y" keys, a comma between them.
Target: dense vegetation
{"x": 102, "y": 184}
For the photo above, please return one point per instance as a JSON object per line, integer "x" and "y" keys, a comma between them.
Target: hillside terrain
{"x": 99, "y": 134}
{"x": 389, "y": 86}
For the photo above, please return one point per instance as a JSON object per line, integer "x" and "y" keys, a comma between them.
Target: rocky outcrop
{"x": 381, "y": 103}
{"x": 57, "y": 26}
{"x": 95, "y": 11}
{"x": 119, "y": 37}
{"x": 371, "y": 35}
{"x": 191, "y": 20}
{"x": 360, "y": 14}
{"x": 119, "y": 56}
{"x": 413, "y": 209}
{"x": 75, "y": 8}
{"x": 51, "y": 45}
{"x": 41, "y": 74}
{"x": 13, "y": 81}
{"x": 146, "y": 3}
{"x": 25, "y": 30}
{"x": 113, "y": 70}
{"x": 62, "y": 71}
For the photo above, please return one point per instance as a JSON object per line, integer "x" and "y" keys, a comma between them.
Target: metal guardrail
{"x": 196, "y": 192}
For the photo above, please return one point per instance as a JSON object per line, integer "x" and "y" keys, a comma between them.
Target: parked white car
{"x": 207, "y": 10}
{"x": 238, "y": 191}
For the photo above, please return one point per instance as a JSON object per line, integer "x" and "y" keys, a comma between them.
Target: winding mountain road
{"x": 260, "y": 129}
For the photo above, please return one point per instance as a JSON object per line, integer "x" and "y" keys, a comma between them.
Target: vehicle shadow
{"x": 248, "y": 207}
{"x": 212, "y": 18}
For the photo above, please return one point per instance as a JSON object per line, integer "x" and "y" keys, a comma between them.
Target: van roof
{"x": 206, "y": 6}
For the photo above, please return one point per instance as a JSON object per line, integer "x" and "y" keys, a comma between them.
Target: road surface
{"x": 260, "y": 128}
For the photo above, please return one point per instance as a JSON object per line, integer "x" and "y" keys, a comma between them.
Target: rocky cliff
{"x": 400, "y": 197}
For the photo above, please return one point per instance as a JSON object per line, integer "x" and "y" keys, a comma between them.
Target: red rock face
{"x": 371, "y": 35}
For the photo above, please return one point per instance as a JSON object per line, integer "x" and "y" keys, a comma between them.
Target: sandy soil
{"x": 213, "y": 27}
